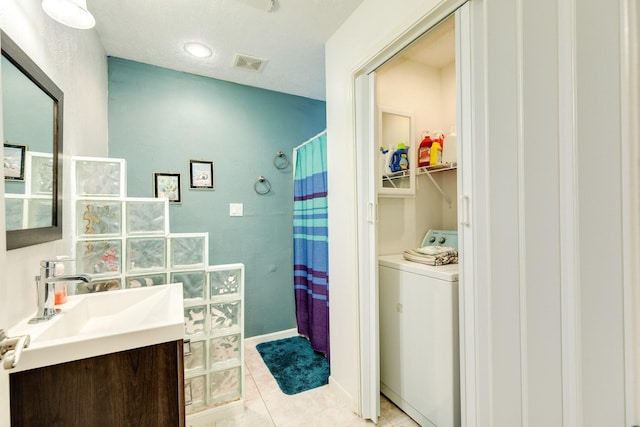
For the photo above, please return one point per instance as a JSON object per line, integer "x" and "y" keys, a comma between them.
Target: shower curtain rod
{"x": 309, "y": 140}
{"x": 295, "y": 150}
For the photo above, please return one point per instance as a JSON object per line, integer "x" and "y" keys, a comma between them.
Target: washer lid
{"x": 448, "y": 272}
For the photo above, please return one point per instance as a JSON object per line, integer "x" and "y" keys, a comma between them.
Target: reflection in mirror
{"x": 395, "y": 136}
{"x": 32, "y": 123}
{"x": 28, "y": 128}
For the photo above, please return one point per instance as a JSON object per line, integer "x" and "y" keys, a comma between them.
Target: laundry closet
{"x": 415, "y": 97}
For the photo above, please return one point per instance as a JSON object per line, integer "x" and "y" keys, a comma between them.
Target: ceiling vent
{"x": 247, "y": 62}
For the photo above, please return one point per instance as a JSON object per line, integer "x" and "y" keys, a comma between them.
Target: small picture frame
{"x": 14, "y": 157}
{"x": 167, "y": 184}
{"x": 201, "y": 175}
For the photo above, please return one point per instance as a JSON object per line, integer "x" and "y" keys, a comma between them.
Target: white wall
{"x": 76, "y": 62}
{"x": 416, "y": 88}
{"x": 448, "y": 88}
{"x": 549, "y": 299}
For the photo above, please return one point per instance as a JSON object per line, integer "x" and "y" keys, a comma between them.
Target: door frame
{"x": 365, "y": 116}
{"x": 630, "y": 132}
{"x": 4, "y": 295}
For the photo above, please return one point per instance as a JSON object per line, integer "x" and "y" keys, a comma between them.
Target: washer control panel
{"x": 441, "y": 238}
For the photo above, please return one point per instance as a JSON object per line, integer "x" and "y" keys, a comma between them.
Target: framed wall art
{"x": 201, "y": 175}
{"x": 167, "y": 184}
{"x": 14, "y": 156}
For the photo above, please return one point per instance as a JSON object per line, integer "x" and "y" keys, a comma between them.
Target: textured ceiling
{"x": 290, "y": 37}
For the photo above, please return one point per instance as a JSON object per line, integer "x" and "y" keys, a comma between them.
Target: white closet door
{"x": 465, "y": 214}
{"x": 368, "y": 248}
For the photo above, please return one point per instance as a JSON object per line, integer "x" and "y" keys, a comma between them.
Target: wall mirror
{"x": 395, "y": 128}
{"x": 32, "y": 127}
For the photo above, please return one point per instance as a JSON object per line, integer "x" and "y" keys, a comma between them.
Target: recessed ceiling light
{"x": 197, "y": 49}
{"x": 72, "y": 13}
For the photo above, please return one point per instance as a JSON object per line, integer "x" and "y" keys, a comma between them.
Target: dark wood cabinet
{"x": 138, "y": 387}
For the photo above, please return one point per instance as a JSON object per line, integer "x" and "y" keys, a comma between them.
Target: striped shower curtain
{"x": 310, "y": 246}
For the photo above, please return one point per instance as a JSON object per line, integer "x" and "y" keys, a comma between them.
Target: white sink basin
{"x": 101, "y": 323}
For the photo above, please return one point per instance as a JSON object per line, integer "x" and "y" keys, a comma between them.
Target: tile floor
{"x": 266, "y": 405}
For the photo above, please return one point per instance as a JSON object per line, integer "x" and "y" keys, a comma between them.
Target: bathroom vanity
{"x": 106, "y": 359}
{"x": 137, "y": 387}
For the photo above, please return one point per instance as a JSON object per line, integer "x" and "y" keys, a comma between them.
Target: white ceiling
{"x": 290, "y": 37}
{"x": 436, "y": 48}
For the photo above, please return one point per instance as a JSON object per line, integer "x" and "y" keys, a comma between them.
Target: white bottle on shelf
{"x": 449, "y": 151}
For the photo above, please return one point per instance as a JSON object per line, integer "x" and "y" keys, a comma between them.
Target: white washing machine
{"x": 419, "y": 350}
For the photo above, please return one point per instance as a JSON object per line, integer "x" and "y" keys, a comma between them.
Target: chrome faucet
{"x": 45, "y": 288}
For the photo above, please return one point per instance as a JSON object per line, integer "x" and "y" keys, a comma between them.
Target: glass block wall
{"x": 125, "y": 243}
{"x": 213, "y": 329}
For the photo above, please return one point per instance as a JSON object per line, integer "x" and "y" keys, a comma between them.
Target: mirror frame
{"x": 33, "y": 236}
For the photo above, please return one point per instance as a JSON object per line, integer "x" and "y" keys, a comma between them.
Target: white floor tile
{"x": 267, "y": 406}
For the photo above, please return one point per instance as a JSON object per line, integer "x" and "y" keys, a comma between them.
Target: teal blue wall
{"x": 159, "y": 119}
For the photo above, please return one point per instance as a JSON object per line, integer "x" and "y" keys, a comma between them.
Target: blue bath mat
{"x": 294, "y": 364}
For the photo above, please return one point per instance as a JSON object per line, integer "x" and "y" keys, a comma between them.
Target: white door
{"x": 368, "y": 247}
{"x": 631, "y": 125}
{"x": 466, "y": 296}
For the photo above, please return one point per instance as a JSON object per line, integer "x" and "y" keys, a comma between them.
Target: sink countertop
{"x": 94, "y": 324}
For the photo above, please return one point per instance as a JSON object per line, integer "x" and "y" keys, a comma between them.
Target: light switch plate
{"x": 236, "y": 209}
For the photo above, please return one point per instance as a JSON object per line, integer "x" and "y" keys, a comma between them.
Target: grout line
{"x": 259, "y": 390}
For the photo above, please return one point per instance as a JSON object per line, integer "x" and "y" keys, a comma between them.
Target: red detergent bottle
{"x": 424, "y": 150}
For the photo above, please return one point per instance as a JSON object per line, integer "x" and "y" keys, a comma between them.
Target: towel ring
{"x": 280, "y": 160}
{"x": 264, "y": 184}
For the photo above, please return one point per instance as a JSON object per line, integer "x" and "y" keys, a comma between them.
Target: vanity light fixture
{"x": 72, "y": 13}
{"x": 198, "y": 49}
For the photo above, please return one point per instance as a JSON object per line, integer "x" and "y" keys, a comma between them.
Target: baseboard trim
{"x": 287, "y": 333}
{"x": 343, "y": 394}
